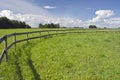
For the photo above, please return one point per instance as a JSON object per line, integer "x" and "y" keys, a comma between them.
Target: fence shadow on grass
{"x": 30, "y": 63}
{"x": 28, "y": 60}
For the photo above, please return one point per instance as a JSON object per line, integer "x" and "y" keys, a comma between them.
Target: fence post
{"x": 15, "y": 40}
{"x": 5, "y": 48}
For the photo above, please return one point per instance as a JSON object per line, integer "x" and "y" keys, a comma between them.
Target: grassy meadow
{"x": 74, "y": 56}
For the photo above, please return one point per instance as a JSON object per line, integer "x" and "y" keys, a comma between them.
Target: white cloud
{"x": 49, "y": 7}
{"x": 112, "y": 22}
{"x": 22, "y": 6}
{"x": 7, "y": 13}
{"x": 104, "y": 19}
{"x": 102, "y": 14}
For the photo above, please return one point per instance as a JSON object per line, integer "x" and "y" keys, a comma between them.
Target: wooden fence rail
{"x": 15, "y": 41}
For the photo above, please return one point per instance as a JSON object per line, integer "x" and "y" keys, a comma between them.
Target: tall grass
{"x": 84, "y": 56}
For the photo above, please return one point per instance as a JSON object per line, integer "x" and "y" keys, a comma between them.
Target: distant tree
{"x": 45, "y": 26}
{"x": 6, "y": 23}
{"x": 57, "y": 25}
{"x": 92, "y": 26}
{"x": 51, "y": 25}
{"x": 105, "y": 27}
{"x": 40, "y": 25}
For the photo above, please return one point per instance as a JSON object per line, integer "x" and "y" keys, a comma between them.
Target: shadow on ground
{"x": 32, "y": 67}
{"x": 26, "y": 48}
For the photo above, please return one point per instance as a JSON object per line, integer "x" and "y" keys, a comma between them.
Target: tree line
{"x": 6, "y": 23}
{"x": 50, "y": 25}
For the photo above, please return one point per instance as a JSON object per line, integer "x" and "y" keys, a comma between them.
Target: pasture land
{"x": 75, "y": 56}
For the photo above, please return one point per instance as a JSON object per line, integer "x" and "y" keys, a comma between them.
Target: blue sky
{"x": 83, "y": 9}
{"x": 81, "y": 13}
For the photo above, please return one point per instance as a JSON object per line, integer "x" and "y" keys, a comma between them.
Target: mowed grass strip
{"x": 84, "y": 56}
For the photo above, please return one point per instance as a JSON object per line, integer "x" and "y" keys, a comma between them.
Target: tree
{"x": 40, "y": 25}
{"x": 57, "y": 25}
{"x": 50, "y": 25}
{"x": 92, "y": 26}
{"x": 6, "y": 23}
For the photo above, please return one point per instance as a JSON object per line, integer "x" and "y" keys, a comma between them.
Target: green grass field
{"x": 75, "y": 56}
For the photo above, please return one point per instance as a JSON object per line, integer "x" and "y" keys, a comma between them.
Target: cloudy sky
{"x": 68, "y": 13}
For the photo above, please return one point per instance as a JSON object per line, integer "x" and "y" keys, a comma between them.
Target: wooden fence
{"x": 48, "y": 33}
{"x": 4, "y": 39}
